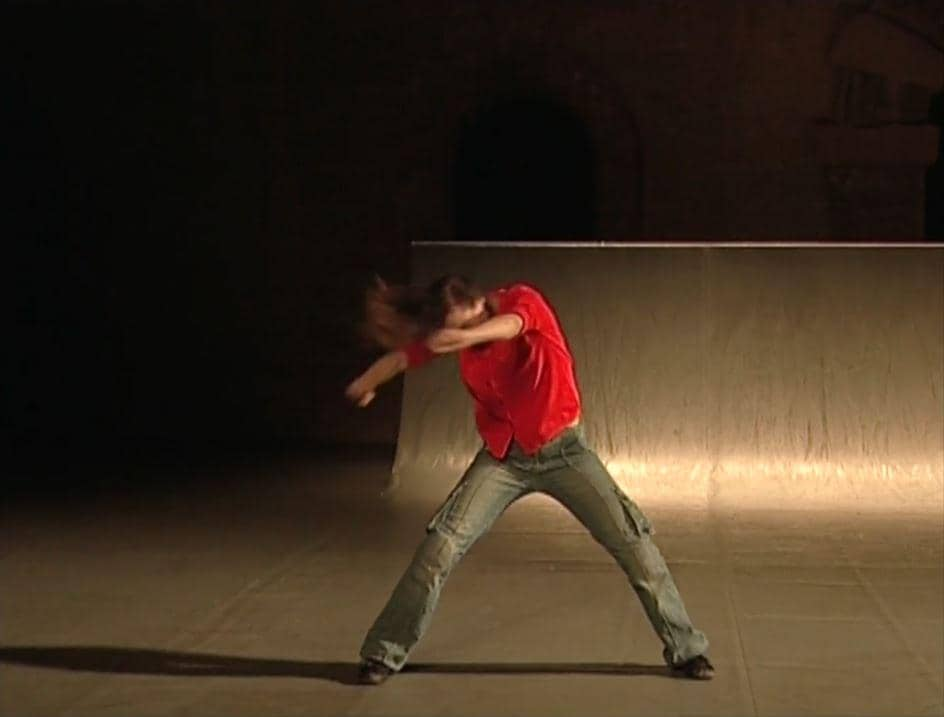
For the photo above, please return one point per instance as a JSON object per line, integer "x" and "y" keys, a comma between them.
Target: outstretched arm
{"x": 363, "y": 389}
{"x": 498, "y": 328}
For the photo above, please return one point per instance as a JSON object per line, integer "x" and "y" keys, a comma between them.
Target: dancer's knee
{"x": 437, "y": 555}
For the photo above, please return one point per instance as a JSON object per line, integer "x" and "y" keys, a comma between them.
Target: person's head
{"x": 462, "y": 303}
{"x": 397, "y": 315}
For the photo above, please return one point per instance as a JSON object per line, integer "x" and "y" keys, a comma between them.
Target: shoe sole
{"x": 705, "y": 675}
{"x": 688, "y": 676}
{"x": 373, "y": 678}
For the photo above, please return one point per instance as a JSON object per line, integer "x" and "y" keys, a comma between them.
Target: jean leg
{"x": 585, "y": 487}
{"x": 485, "y": 490}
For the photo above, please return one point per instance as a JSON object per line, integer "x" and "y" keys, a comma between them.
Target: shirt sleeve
{"x": 530, "y": 306}
{"x": 418, "y": 353}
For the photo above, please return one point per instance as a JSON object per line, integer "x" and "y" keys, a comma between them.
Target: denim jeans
{"x": 569, "y": 470}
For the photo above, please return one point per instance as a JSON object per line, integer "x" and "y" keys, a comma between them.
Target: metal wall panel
{"x": 722, "y": 377}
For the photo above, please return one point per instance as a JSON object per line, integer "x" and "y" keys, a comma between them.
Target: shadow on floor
{"x": 194, "y": 664}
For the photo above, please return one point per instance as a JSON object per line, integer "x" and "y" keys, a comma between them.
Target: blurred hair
{"x": 395, "y": 315}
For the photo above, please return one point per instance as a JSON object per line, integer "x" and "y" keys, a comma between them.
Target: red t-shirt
{"x": 525, "y": 388}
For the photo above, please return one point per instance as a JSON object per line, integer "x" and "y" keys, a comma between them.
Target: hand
{"x": 444, "y": 340}
{"x": 360, "y": 392}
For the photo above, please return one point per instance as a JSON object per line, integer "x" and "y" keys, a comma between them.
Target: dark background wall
{"x": 201, "y": 191}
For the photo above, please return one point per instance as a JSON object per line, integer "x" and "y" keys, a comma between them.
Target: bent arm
{"x": 498, "y": 328}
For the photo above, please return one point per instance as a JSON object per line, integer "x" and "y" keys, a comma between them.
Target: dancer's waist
{"x": 552, "y": 445}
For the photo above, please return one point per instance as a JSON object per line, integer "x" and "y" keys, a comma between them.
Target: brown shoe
{"x": 373, "y": 672}
{"x": 697, "y": 668}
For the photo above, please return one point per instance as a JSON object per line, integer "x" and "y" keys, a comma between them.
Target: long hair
{"x": 395, "y": 315}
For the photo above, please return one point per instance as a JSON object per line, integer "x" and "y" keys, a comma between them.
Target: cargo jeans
{"x": 570, "y": 471}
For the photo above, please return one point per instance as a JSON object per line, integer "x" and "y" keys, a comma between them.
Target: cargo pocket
{"x": 636, "y": 519}
{"x": 443, "y": 512}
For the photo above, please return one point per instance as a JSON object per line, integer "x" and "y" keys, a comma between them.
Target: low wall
{"x": 718, "y": 377}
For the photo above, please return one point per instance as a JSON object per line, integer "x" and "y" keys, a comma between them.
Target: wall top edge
{"x": 680, "y": 245}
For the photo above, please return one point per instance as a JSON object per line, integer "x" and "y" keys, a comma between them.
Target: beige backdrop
{"x": 722, "y": 377}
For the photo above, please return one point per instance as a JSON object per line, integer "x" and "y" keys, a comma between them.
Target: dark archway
{"x": 524, "y": 170}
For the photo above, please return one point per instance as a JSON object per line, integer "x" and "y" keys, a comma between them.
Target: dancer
{"x": 517, "y": 364}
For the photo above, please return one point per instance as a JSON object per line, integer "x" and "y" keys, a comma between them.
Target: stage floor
{"x": 246, "y": 587}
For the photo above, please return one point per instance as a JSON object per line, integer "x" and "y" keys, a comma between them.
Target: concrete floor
{"x": 247, "y": 588}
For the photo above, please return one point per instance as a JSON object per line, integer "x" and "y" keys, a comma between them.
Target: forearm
{"x": 498, "y": 328}
{"x": 384, "y": 368}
